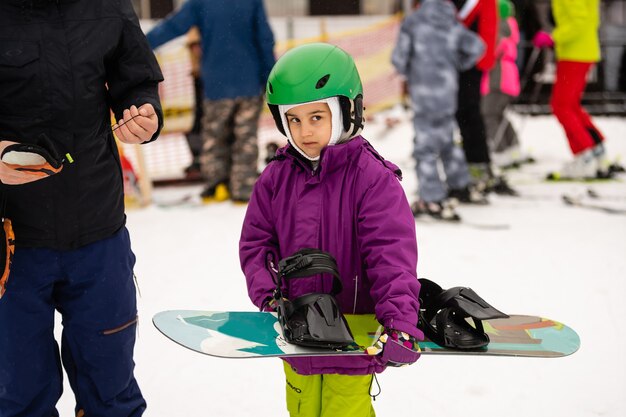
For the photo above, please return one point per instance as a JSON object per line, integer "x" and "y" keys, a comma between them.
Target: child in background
{"x": 431, "y": 49}
{"x": 499, "y": 86}
{"x": 329, "y": 189}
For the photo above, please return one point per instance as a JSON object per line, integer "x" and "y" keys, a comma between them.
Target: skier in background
{"x": 577, "y": 48}
{"x": 481, "y": 17}
{"x": 237, "y": 56}
{"x": 431, "y": 49}
{"x": 64, "y": 66}
{"x": 329, "y": 189}
{"x": 499, "y": 86}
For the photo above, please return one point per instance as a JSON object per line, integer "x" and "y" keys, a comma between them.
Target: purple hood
{"x": 353, "y": 207}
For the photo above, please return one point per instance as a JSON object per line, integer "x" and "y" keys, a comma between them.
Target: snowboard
{"x": 228, "y": 334}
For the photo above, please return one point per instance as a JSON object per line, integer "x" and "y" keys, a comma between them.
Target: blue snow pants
{"x": 434, "y": 144}
{"x": 93, "y": 289}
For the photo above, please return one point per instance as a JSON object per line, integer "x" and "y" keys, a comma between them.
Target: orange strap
{"x": 9, "y": 238}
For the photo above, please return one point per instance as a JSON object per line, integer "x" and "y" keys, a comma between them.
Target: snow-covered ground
{"x": 561, "y": 262}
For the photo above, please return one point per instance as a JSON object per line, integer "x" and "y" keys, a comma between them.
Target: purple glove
{"x": 543, "y": 40}
{"x": 395, "y": 348}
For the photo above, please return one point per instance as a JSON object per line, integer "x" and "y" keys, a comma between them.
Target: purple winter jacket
{"x": 353, "y": 207}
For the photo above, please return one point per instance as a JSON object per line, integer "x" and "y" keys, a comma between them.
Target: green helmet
{"x": 506, "y": 9}
{"x": 313, "y": 72}
{"x": 316, "y": 71}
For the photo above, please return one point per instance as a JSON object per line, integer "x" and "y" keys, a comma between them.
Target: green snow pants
{"x": 328, "y": 395}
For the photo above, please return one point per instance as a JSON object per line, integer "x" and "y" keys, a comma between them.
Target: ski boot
{"x": 487, "y": 180}
{"x": 499, "y": 185}
{"x": 583, "y": 167}
{"x": 439, "y": 210}
{"x": 511, "y": 158}
{"x": 606, "y": 168}
{"x": 467, "y": 195}
{"x": 215, "y": 194}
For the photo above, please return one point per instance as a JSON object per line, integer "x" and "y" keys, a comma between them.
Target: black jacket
{"x": 64, "y": 64}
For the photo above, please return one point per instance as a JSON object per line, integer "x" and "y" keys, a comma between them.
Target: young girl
{"x": 329, "y": 189}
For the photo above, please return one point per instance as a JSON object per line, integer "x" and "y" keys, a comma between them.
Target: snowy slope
{"x": 561, "y": 262}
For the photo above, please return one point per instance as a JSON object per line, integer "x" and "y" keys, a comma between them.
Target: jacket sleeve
{"x": 133, "y": 74}
{"x": 471, "y": 47}
{"x": 257, "y": 241}
{"x": 386, "y": 239}
{"x": 174, "y": 25}
{"x": 265, "y": 41}
{"x": 488, "y": 31}
{"x": 401, "y": 55}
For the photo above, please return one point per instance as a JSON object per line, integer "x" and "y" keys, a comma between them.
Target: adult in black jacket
{"x": 64, "y": 65}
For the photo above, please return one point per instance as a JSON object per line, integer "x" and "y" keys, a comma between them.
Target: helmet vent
{"x": 271, "y": 88}
{"x": 322, "y": 81}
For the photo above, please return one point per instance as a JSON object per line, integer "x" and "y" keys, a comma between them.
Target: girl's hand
{"x": 395, "y": 348}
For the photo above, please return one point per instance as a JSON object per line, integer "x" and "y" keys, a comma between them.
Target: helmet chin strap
{"x": 337, "y": 131}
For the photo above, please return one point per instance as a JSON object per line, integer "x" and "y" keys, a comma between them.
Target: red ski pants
{"x": 567, "y": 93}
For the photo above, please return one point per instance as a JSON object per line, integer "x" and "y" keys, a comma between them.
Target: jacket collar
{"x": 331, "y": 158}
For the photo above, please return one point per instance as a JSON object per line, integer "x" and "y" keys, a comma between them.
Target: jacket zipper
{"x": 356, "y": 288}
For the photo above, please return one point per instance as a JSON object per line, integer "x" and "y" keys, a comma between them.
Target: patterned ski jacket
{"x": 431, "y": 49}
{"x": 353, "y": 207}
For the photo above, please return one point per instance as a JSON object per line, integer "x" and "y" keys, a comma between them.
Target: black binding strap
{"x": 308, "y": 262}
{"x": 315, "y": 319}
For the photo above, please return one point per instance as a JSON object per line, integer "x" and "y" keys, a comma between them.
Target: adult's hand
{"x": 12, "y": 176}
{"x": 138, "y": 125}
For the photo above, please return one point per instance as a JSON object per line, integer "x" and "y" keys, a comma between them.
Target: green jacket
{"x": 576, "y": 33}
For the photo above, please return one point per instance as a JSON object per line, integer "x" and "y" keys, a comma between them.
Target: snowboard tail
{"x": 257, "y": 334}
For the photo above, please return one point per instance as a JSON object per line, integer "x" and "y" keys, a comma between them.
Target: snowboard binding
{"x": 313, "y": 320}
{"x": 443, "y": 316}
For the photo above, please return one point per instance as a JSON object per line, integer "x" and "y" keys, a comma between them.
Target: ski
{"x": 486, "y": 226}
{"x": 579, "y": 202}
{"x": 556, "y": 177}
{"x": 189, "y": 200}
{"x": 595, "y": 195}
{"x": 518, "y": 163}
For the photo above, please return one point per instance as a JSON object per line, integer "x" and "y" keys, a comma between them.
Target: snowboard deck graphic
{"x": 257, "y": 334}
